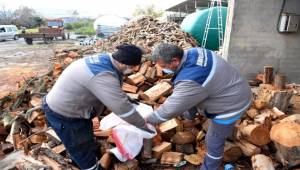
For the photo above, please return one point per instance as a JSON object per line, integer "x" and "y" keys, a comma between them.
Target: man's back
{"x": 69, "y": 96}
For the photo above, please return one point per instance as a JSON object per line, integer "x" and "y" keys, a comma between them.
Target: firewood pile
{"x": 267, "y": 136}
{"x": 146, "y": 32}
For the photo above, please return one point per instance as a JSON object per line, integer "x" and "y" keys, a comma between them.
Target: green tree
{"x": 148, "y": 11}
{"x": 38, "y": 21}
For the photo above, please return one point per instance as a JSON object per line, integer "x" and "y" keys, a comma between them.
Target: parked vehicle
{"x": 9, "y": 32}
{"x": 89, "y": 41}
{"x": 53, "y": 31}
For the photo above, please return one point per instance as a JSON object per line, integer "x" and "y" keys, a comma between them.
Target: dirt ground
{"x": 19, "y": 60}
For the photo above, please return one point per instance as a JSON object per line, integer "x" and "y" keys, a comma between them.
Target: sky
{"x": 85, "y": 8}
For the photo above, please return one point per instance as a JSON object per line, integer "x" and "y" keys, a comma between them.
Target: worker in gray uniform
{"x": 82, "y": 91}
{"x": 204, "y": 82}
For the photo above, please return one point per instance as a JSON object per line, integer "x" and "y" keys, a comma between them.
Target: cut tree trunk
{"x": 156, "y": 91}
{"x": 262, "y": 162}
{"x": 232, "y": 152}
{"x": 286, "y": 137}
{"x": 257, "y": 134}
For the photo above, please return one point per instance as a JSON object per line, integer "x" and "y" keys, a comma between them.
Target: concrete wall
{"x": 252, "y": 41}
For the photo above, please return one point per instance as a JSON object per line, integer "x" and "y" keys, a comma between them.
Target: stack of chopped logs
{"x": 266, "y": 134}
{"x": 265, "y": 138}
{"x": 146, "y": 32}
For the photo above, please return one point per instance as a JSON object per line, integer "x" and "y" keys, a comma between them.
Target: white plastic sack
{"x": 128, "y": 138}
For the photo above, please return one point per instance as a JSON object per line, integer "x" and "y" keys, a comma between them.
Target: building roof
{"x": 189, "y": 6}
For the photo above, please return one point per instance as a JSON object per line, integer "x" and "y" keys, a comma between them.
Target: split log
{"x": 50, "y": 162}
{"x": 73, "y": 54}
{"x": 200, "y": 136}
{"x": 185, "y": 148}
{"x": 56, "y": 161}
{"x": 28, "y": 165}
{"x": 38, "y": 138}
{"x": 17, "y": 138}
{"x": 205, "y": 125}
{"x": 68, "y": 61}
{"x": 168, "y": 125}
{"x": 129, "y": 88}
{"x": 160, "y": 149}
{"x": 257, "y": 134}
{"x": 276, "y": 98}
{"x": 105, "y": 160}
{"x": 194, "y": 159}
{"x": 159, "y": 71}
{"x": 171, "y": 158}
{"x": 201, "y": 151}
{"x": 286, "y": 137}
{"x": 151, "y": 73}
{"x": 247, "y": 148}
{"x": 277, "y": 113}
{"x": 156, "y": 91}
{"x": 268, "y": 75}
{"x": 262, "y": 162}
{"x": 128, "y": 165}
{"x": 53, "y": 136}
{"x": 58, "y": 149}
{"x": 260, "y": 104}
{"x": 265, "y": 117}
{"x": 183, "y": 138}
{"x": 157, "y": 140}
{"x": 57, "y": 69}
{"x": 232, "y": 152}
{"x": 33, "y": 116}
{"x": 135, "y": 79}
{"x": 252, "y": 112}
{"x": 279, "y": 82}
{"x": 35, "y": 101}
{"x": 144, "y": 68}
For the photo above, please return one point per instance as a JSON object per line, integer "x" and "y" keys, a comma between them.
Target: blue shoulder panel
{"x": 99, "y": 63}
{"x": 197, "y": 66}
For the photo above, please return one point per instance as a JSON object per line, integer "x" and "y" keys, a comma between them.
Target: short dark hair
{"x": 166, "y": 52}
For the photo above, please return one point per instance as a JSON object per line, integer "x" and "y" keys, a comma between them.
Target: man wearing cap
{"x": 204, "y": 82}
{"x": 82, "y": 91}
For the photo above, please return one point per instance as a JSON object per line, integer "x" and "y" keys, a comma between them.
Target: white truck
{"x": 8, "y": 32}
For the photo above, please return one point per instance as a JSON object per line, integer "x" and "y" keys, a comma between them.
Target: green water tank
{"x": 195, "y": 23}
